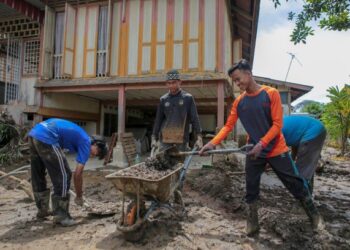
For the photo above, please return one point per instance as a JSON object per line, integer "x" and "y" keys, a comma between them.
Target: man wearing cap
{"x": 47, "y": 141}
{"x": 176, "y": 111}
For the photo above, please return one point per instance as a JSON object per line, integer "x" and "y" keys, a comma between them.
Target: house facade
{"x": 102, "y": 64}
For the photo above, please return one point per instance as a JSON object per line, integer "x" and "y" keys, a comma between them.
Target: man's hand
{"x": 208, "y": 146}
{"x": 154, "y": 142}
{"x": 79, "y": 201}
{"x": 255, "y": 152}
{"x": 199, "y": 142}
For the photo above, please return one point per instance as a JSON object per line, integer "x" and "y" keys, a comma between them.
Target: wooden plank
{"x": 68, "y": 114}
{"x": 112, "y": 144}
{"x": 128, "y": 134}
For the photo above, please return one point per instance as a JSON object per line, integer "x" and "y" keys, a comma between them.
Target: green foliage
{"x": 314, "y": 108}
{"x": 329, "y": 14}
{"x": 336, "y": 115}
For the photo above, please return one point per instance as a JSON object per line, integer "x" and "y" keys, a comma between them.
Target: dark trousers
{"x": 51, "y": 158}
{"x": 308, "y": 154}
{"x": 284, "y": 168}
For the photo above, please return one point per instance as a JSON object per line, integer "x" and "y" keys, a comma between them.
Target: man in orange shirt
{"x": 260, "y": 110}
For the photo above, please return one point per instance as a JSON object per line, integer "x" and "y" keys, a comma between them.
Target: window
{"x": 30, "y": 117}
{"x": 80, "y": 123}
{"x": 31, "y": 57}
{"x": 58, "y": 48}
{"x": 102, "y": 42}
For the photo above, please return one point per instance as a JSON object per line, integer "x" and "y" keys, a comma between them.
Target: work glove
{"x": 154, "y": 142}
{"x": 208, "y": 146}
{"x": 79, "y": 201}
{"x": 255, "y": 152}
{"x": 199, "y": 142}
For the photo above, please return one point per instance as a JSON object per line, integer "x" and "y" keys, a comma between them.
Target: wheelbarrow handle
{"x": 242, "y": 150}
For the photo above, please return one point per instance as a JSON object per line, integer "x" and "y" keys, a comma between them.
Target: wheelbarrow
{"x": 158, "y": 192}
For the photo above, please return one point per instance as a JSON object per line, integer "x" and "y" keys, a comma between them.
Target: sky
{"x": 325, "y": 58}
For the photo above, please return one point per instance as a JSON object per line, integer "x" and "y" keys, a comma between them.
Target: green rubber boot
{"x": 60, "y": 206}
{"x": 42, "y": 201}
{"x": 252, "y": 219}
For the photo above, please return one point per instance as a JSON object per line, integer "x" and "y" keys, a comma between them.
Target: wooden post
{"x": 121, "y": 111}
{"x": 221, "y": 104}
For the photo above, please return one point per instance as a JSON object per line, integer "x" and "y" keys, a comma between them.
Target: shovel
{"x": 244, "y": 150}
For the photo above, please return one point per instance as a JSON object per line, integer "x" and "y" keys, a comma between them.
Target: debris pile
{"x": 158, "y": 163}
{"x": 13, "y": 148}
{"x": 147, "y": 172}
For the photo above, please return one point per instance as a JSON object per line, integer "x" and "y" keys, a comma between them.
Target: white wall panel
{"x": 194, "y": 18}
{"x": 210, "y": 35}
{"x": 134, "y": 19}
{"x": 177, "y": 62}
{"x": 161, "y": 22}
{"x": 91, "y": 41}
{"x": 160, "y": 57}
{"x": 146, "y": 58}
{"x": 90, "y": 62}
{"x": 115, "y": 38}
{"x": 79, "y": 42}
{"x": 193, "y": 55}
{"x": 178, "y": 19}
{"x": 147, "y": 21}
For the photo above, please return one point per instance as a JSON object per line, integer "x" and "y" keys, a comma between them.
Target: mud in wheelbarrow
{"x": 158, "y": 192}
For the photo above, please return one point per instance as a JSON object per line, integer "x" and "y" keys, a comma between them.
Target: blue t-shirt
{"x": 297, "y": 129}
{"x": 64, "y": 134}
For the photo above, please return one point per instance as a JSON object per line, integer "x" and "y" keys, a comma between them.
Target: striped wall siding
{"x": 153, "y": 36}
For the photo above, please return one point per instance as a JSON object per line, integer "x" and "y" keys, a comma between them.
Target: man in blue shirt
{"x": 306, "y": 136}
{"x": 47, "y": 141}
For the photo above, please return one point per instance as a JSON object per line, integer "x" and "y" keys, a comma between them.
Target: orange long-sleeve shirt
{"x": 261, "y": 114}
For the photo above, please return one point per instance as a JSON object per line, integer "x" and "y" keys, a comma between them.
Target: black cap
{"x": 172, "y": 75}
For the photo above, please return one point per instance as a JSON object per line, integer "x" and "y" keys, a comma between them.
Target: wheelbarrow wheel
{"x": 136, "y": 235}
{"x": 133, "y": 232}
{"x": 178, "y": 198}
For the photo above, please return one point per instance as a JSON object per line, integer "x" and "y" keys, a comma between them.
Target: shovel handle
{"x": 242, "y": 150}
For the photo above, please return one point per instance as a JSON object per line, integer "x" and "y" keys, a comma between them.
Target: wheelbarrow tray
{"x": 160, "y": 189}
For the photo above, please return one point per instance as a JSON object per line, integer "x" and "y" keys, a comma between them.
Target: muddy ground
{"x": 214, "y": 215}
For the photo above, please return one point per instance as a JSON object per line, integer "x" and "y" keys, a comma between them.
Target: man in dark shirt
{"x": 176, "y": 111}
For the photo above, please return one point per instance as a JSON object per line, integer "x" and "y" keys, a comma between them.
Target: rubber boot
{"x": 60, "y": 206}
{"x": 313, "y": 214}
{"x": 252, "y": 219}
{"x": 42, "y": 201}
{"x": 311, "y": 184}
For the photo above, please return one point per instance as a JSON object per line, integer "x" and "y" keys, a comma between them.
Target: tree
{"x": 337, "y": 115}
{"x": 329, "y": 15}
{"x": 314, "y": 108}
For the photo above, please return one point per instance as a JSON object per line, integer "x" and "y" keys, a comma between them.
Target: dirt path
{"x": 215, "y": 217}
